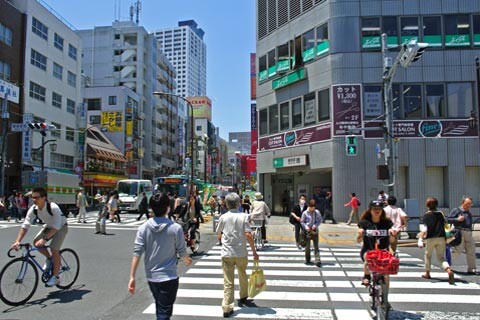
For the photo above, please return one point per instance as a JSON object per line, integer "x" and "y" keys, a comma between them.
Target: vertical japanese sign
{"x": 347, "y": 109}
{"x": 253, "y": 77}
{"x": 27, "y": 139}
{"x": 254, "y": 130}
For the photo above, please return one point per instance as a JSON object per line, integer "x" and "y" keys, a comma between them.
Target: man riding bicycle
{"x": 54, "y": 229}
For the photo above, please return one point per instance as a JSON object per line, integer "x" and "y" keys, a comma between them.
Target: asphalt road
{"x": 296, "y": 290}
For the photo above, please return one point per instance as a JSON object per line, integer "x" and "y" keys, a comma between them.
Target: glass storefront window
{"x": 324, "y": 105}
{"x": 309, "y": 109}
{"x": 476, "y": 30}
{"x": 412, "y": 100}
{"x": 372, "y": 101}
{"x": 308, "y": 43}
{"x": 390, "y": 28}
{"x": 409, "y": 26}
{"x": 284, "y": 116}
{"x": 457, "y": 30}
{"x": 273, "y": 118}
{"x": 262, "y": 69}
{"x": 283, "y": 63}
{"x": 272, "y": 64}
{"x": 371, "y": 33}
{"x": 432, "y": 31}
{"x": 435, "y": 101}
{"x": 297, "y": 112}
{"x": 460, "y": 100}
{"x": 322, "y": 40}
{"x": 263, "y": 122}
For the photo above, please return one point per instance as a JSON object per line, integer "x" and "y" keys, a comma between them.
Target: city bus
{"x": 129, "y": 192}
{"x": 172, "y": 184}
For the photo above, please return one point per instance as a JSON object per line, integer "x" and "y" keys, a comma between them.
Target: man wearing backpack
{"x": 54, "y": 230}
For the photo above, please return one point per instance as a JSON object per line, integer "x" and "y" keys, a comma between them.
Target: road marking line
{"x": 427, "y": 298}
{"x": 270, "y": 283}
{"x": 251, "y": 313}
{"x": 349, "y": 314}
{"x": 265, "y": 295}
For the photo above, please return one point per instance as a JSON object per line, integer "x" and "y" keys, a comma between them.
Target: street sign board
{"x": 19, "y": 127}
{"x": 12, "y": 91}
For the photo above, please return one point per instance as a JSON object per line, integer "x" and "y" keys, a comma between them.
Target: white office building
{"x": 52, "y": 84}
{"x": 185, "y": 48}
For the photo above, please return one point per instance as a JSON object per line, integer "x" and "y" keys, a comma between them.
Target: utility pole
{"x": 3, "y": 152}
{"x": 409, "y": 53}
{"x": 388, "y": 72}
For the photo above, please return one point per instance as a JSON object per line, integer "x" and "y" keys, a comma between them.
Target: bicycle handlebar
{"x": 21, "y": 245}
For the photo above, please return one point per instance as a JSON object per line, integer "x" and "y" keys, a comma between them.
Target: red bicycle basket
{"x": 382, "y": 261}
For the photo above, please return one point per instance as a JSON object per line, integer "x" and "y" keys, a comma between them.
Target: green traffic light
{"x": 352, "y": 150}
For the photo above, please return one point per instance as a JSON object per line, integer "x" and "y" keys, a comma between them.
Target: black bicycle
{"x": 380, "y": 263}
{"x": 19, "y": 277}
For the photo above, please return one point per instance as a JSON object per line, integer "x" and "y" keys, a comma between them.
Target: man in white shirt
{"x": 234, "y": 232}
{"x": 398, "y": 217}
{"x": 54, "y": 229}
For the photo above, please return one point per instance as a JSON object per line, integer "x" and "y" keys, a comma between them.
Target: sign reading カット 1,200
{"x": 347, "y": 108}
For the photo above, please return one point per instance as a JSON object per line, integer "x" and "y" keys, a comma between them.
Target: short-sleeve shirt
{"x": 55, "y": 220}
{"x": 396, "y": 215}
{"x": 369, "y": 242}
{"x": 233, "y": 226}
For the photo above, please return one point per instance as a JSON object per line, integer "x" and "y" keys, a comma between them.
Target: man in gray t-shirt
{"x": 234, "y": 231}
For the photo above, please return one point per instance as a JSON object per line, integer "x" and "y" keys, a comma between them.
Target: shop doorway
{"x": 282, "y": 194}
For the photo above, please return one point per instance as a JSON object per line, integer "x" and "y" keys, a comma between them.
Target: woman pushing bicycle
{"x": 374, "y": 218}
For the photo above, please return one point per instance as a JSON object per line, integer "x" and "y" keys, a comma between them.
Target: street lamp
{"x": 53, "y": 148}
{"x": 205, "y": 150}
{"x": 192, "y": 132}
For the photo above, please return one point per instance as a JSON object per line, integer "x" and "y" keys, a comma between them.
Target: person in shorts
{"x": 54, "y": 231}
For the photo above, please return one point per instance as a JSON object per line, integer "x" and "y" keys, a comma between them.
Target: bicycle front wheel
{"x": 257, "y": 237}
{"x": 382, "y": 303}
{"x": 69, "y": 268}
{"x": 18, "y": 281}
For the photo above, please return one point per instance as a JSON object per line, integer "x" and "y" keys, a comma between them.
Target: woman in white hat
{"x": 260, "y": 211}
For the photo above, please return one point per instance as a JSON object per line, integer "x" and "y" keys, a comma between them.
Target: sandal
{"x": 365, "y": 281}
{"x": 451, "y": 278}
{"x": 426, "y": 276}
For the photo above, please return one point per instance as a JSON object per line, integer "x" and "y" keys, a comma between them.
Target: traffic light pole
{"x": 3, "y": 151}
{"x": 390, "y": 148}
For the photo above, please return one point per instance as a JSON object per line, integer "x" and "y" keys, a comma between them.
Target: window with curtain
{"x": 263, "y": 121}
{"x": 412, "y": 100}
{"x": 284, "y": 116}
{"x": 324, "y": 105}
{"x": 309, "y": 113}
{"x": 459, "y": 100}
{"x": 297, "y": 113}
{"x": 435, "y": 101}
{"x": 273, "y": 118}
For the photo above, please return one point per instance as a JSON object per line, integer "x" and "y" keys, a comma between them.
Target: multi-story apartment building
{"x": 12, "y": 44}
{"x": 125, "y": 54}
{"x": 185, "y": 48}
{"x": 52, "y": 83}
{"x": 320, "y": 68}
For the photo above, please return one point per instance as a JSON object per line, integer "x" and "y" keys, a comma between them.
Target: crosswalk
{"x": 299, "y": 291}
{"x": 128, "y": 222}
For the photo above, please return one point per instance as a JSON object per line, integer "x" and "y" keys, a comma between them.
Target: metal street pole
{"x": 389, "y": 153}
{"x": 3, "y": 152}
{"x": 192, "y": 134}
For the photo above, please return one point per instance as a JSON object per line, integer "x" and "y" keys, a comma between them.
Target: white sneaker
{"x": 48, "y": 264}
{"x": 53, "y": 281}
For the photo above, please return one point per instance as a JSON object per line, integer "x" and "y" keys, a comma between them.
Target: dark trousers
{"x": 164, "y": 294}
{"x": 117, "y": 214}
{"x": 264, "y": 230}
{"x": 297, "y": 232}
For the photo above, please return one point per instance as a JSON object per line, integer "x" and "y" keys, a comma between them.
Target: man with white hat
{"x": 82, "y": 206}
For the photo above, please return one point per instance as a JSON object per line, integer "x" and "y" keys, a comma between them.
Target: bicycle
{"x": 257, "y": 233}
{"x": 19, "y": 277}
{"x": 380, "y": 262}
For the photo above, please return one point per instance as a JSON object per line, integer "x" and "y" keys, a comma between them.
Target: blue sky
{"x": 229, "y": 27}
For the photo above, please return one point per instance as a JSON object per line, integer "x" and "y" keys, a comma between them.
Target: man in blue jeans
{"x": 161, "y": 240}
